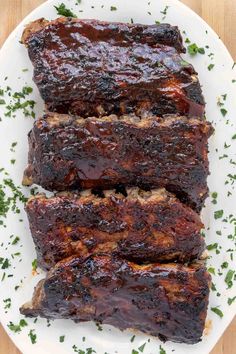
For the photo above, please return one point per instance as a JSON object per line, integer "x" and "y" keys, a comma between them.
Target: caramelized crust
{"x": 91, "y": 67}
{"x": 68, "y": 152}
{"x": 143, "y": 227}
{"x": 165, "y": 300}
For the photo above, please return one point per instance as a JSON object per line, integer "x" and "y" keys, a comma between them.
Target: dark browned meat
{"x": 89, "y": 67}
{"x": 142, "y": 227}
{"x": 165, "y": 300}
{"x": 67, "y": 152}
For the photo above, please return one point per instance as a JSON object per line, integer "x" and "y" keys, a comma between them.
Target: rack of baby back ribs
{"x": 124, "y": 143}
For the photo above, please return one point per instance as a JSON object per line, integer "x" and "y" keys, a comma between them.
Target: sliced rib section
{"x": 68, "y": 152}
{"x": 165, "y": 300}
{"x": 90, "y": 67}
{"x": 143, "y": 227}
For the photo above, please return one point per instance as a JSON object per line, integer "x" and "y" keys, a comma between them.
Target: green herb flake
{"x": 64, "y": 11}
{"x": 2, "y": 101}
{"x": 193, "y": 49}
{"x": 211, "y": 270}
{"x": 224, "y": 265}
{"x": 17, "y": 327}
{"x": 141, "y": 348}
{"x": 231, "y": 300}
{"x": 229, "y": 278}
{"x": 217, "y": 311}
{"x": 213, "y": 287}
{"x": 210, "y": 67}
{"x": 6, "y": 264}
{"x": 16, "y": 240}
{"x": 234, "y": 137}
{"x": 33, "y": 336}
{"x": 132, "y": 338}
{"x": 7, "y": 303}
{"x": 113, "y": 8}
{"x": 161, "y": 350}
{"x": 14, "y": 328}
{"x": 212, "y": 246}
{"x": 218, "y": 214}
{"x": 134, "y": 351}
{"x": 61, "y": 339}
{"x": 164, "y": 12}
{"x": 223, "y": 111}
{"x": 34, "y": 265}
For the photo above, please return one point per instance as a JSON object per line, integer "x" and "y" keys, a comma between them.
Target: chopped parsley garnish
{"x": 18, "y": 101}
{"x": 7, "y": 303}
{"x": 17, "y": 327}
{"x": 34, "y": 265}
{"x": 210, "y": 67}
{"x": 5, "y": 264}
{"x": 2, "y": 101}
{"x": 9, "y": 202}
{"x": 234, "y": 136}
{"x": 132, "y": 338}
{"x": 229, "y": 278}
{"x": 162, "y": 350}
{"x": 217, "y": 311}
{"x": 223, "y": 111}
{"x": 231, "y": 300}
{"x": 211, "y": 270}
{"x": 218, "y": 214}
{"x": 113, "y": 8}
{"x": 193, "y": 49}
{"x": 213, "y": 287}
{"x": 214, "y": 197}
{"x": 33, "y": 336}
{"x": 15, "y": 241}
{"x": 212, "y": 246}
{"x": 64, "y": 11}
{"x": 135, "y": 351}
{"x": 164, "y": 12}
{"x": 80, "y": 351}
{"x": 61, "y": 339}
{"x": 12, "y": 146}
{"x": 224, "y": 265}
{"x": 141, "y": 348}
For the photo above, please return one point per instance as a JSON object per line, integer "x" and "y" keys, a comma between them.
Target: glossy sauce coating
{"x": 142, "y": 227}
{"x": 66, "y": 153}
{"x": 169, "y": 300}
{"x": 88, "y": 67}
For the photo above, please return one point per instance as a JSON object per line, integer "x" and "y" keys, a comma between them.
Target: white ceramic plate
{"x": 216, "y": 82}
